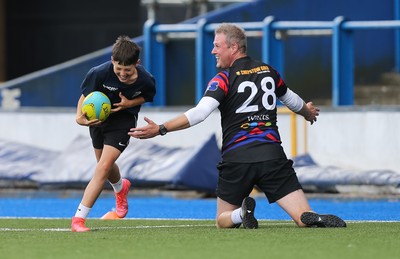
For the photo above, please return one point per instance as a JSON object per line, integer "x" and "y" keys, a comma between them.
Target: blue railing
{"x": 272, "y": 49}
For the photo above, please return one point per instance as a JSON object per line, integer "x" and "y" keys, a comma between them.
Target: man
{"x": 246, "y": 94}
{"x": 128, "y": 85}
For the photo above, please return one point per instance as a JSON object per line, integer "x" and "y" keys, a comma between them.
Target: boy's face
{"x": 124, "y": 73}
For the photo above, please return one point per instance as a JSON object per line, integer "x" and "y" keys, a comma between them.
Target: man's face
{"x": 222, "y": 51}
{"x": 124, "y": 73}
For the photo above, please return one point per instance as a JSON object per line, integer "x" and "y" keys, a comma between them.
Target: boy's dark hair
{"x": 125, "y": 52}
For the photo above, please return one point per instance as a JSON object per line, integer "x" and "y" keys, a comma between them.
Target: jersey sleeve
{"x": 89, "y": 83}
{"x": 148, "y": 90}
{"x": 281, "y": 88}
{"x": 217, "y": 88}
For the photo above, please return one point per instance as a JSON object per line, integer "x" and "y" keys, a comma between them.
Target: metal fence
{"x": 272, "y": 34}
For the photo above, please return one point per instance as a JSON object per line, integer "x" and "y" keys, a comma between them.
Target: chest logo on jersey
{"x": 212, "y": 86}
{"x": 258, "y": 70}
{"x": 136, "y": 94}
{"x": 110, "y": 88}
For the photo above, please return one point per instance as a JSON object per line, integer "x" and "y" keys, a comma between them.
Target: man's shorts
{"x": 276, "y": 178}
{"x": 113, "y": 131}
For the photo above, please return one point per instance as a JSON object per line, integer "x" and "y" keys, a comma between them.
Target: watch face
{"x": 163, "y": 130}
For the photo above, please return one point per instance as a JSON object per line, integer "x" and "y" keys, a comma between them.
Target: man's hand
{"x": 149, "y": 131}
{"x": 312, "y": 113}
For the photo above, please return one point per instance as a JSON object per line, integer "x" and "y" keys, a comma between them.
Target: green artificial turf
{"x": 51, "y": 238}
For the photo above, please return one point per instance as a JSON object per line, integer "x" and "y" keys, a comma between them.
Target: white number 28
{"x": 268, "y": 96}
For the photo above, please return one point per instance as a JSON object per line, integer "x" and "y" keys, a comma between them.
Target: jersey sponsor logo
{"x": 212, "y": 86}
{"x": 258, "y": 117}
{"x": 258, "y": 70}
{"x": 110, "y": 88}
{"x": 255, "y": 124}
{"x": 219, "y": 81}
{"x": 136, "y": 94}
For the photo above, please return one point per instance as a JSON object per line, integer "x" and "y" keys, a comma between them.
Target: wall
{"x": 360, "y": 138}
{"x": 353, "y": 138}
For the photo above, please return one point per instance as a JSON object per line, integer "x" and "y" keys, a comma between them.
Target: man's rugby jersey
{"x": 247, "y": 93}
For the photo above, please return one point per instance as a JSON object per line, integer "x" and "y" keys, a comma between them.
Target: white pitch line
{"x": 34, "y": 229}
{"x": 131, "y": 227}
{"x": 261, "y": 223}
{"x": 163, "y": 226}
{"x": 97, "y": 228}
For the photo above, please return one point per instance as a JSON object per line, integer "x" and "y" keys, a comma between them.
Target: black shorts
{"x": 276, "y": 178}
{"x": 113, "y": 131}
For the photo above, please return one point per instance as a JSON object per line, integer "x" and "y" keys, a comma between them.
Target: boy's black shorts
{"x": 113, "y": 131}
{"x": 276, "y": 178}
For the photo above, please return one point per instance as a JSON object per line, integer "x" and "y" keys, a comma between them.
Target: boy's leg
{"x": 106, "y": 159}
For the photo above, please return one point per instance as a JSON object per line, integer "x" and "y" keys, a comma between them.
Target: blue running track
{"x": 176, "y": 208}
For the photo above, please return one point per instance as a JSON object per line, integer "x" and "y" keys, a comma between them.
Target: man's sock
{"x": 235, "y": 216}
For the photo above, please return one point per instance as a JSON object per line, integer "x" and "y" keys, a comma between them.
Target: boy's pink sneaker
{"x": 78, "y": 225}
{"x": 121, "y": 199}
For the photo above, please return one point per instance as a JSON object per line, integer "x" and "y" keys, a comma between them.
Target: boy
{"x": 128, "y": 85}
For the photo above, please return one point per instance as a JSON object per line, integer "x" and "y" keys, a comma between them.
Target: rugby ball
{"x": 97, "y": 106}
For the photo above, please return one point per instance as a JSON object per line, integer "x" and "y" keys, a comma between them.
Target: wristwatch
{"x": 163, "y": 130}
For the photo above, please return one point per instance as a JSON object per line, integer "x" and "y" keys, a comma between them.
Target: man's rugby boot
{"x": 313, "y": 219}
{"x": 247, "y": 213}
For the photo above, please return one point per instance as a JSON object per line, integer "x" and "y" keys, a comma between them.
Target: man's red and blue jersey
{"x": 247, "y": 93}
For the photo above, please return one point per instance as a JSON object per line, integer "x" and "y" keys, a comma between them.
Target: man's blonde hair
{"x": 234, "y": 34}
